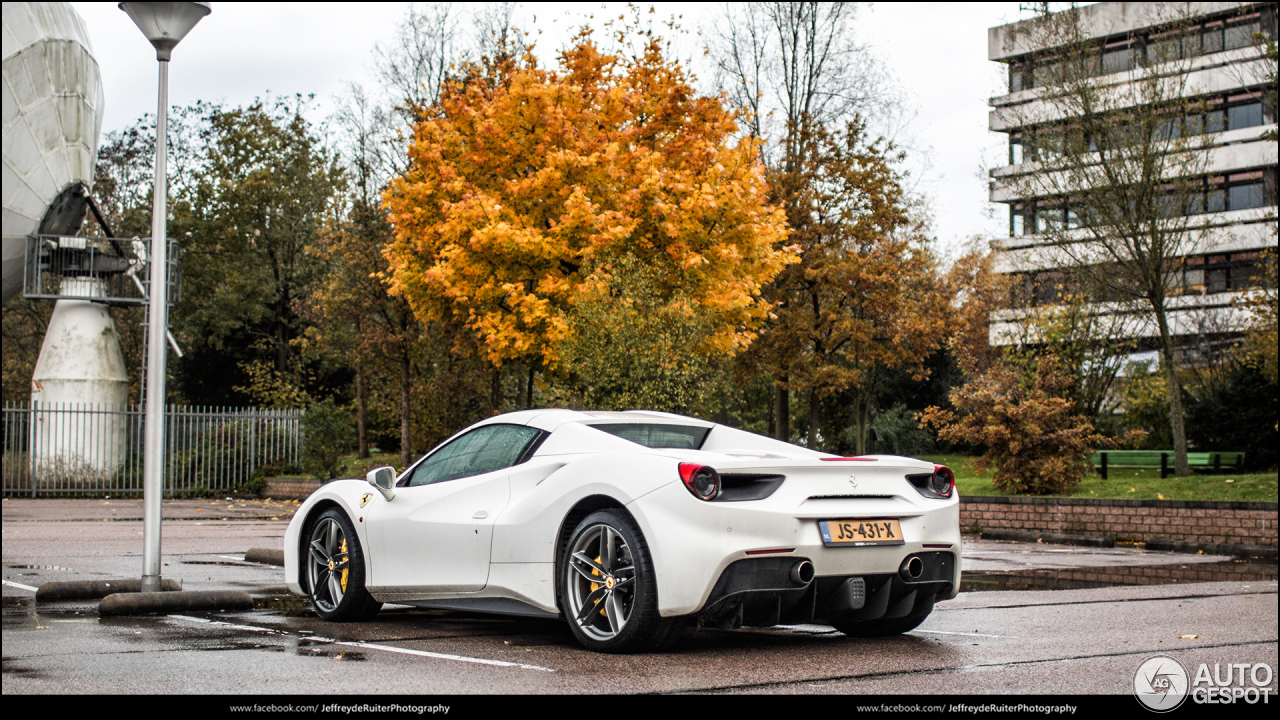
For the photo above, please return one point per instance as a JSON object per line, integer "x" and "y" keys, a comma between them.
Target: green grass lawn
{"x": 1133, "y": 484}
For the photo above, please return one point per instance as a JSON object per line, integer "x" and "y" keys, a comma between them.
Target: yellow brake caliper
{"x": 345, "y": 570}
{"x": 596, "y": 586}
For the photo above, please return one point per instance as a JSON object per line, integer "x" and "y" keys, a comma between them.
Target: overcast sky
{"x": 936, "y": 52}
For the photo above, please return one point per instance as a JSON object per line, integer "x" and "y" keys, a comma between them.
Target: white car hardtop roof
{"x": 549, "y": 420}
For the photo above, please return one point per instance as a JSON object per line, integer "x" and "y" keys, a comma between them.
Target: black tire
{"x": 607, "y": 545}
{"x": 882, "y": 628}
{"x": 334, "y": 563}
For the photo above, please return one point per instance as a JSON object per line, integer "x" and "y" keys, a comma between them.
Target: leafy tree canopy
{"x": 525, "y": 182}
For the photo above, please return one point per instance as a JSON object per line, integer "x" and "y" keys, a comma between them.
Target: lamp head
{"x": 165, "y": 23}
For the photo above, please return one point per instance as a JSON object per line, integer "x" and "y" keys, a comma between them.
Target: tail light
{"x": 701, "y": 480}
{"x": 940, "y": 483}
{"x": 943, "y": 480}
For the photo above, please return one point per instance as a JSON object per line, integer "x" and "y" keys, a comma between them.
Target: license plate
{"x": 861, "y": 532}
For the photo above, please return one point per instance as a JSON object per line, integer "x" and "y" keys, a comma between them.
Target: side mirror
{"x": 383, "y": 478}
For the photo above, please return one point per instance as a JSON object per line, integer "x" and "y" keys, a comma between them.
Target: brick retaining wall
{"x": 282, "y": 488}
{"x": 1243, "y": 523}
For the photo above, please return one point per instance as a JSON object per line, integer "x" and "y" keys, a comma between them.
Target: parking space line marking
{"x": 372, "y": 646}
{"x": 20, "y": 586}
{"x": 438, "y": 656}
{"x": 944, "y": 632}
{"x": 224, "y": 624}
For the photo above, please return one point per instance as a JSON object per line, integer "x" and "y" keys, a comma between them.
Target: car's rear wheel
{"x": 607, "y": 587}
{"x": 894, "y": 626}
{"x": 335, "y": 570}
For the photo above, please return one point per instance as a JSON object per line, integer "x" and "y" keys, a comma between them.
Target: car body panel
{"x": 436, "y": 537}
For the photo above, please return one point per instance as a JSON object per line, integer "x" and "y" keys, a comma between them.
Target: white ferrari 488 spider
{"x": 631, "y": 525}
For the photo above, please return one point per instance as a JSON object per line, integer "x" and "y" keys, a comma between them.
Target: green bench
{"x": 1164, "y": 459}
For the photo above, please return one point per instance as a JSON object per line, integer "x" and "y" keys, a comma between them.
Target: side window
{"x": 492, "y": 447}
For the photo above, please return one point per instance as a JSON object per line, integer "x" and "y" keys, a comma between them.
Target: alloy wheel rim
{"x": 328, "y": 564}
{"x": 601, "y": 582}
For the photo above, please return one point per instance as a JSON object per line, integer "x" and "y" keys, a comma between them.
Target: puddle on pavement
{"x": 284, "y": 605}
{"x": 22, "y": 612}
{"x": 1250, "y": 570}
{"x": 328, "y": 651}
{"x": 14, "y": 668}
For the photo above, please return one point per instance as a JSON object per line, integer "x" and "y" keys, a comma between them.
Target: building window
{"x": 1019, "y": 78}
{"x": 1017, "y": 221}
{"x": 1241, "y": 34}
{"x": 1245, "y": 197}
{"x": 1118, "y": 59}
{"x": 1015, "y": 150}
{"x": 1244, "y": 116}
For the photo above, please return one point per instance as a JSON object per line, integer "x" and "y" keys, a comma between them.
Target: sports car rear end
{"x": 868, "y": 544}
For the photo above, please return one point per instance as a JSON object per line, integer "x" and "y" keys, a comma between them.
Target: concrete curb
{"x": 94, "y": 589}
{"x": 1052, "y": 538}
{"x": 165, "y": 602}
{"x": 1266, "y": 551}
{"x": 266, "y": 556}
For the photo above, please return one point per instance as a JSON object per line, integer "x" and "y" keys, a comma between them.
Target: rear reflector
{"x": 771, "y": 552}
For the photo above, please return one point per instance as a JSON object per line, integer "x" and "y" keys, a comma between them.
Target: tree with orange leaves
{"x": 525, "y": 183}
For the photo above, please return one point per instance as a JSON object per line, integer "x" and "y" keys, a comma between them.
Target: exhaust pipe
{"x": 802, "y": 573}
{"x": 912, "y": 569}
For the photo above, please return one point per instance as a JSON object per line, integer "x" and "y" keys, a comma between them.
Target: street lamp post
{"x": 164, "y": 24}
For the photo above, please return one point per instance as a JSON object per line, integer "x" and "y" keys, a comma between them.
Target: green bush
{"x": 900, "y": 433}
{"x": 1237, "y": 414}
{"x": 1034, "y": 440}
{"x": 329, "y": 432}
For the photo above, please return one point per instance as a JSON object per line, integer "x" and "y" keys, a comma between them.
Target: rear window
{"x": 685, "y": 437}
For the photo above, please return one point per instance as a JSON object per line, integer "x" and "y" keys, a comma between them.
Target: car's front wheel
{"x": 336, "y": 571}
{"x": 608, "y": 590}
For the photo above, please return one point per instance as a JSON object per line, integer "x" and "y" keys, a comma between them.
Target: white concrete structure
{"x": 1213, "y": 49}
{"x": 52, "y": 114}
{"x": 80, "y": 366}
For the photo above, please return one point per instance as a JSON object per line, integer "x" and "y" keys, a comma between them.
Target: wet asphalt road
{"x": 1087, "y": 639}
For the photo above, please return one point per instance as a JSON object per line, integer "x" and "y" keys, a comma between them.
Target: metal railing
{"x": 121, "y": 268}
{"x": 54, "y": 449}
